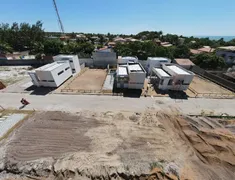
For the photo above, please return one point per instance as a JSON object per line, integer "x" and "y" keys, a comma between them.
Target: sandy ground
{"x": 90, "y": 80}
{"x": 118, "y": 145}
{"x": 12, "y": 74}
{"x": 203, "y": 86}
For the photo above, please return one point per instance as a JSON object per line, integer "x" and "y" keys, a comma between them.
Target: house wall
{"x": 51, "y": 78}
{"x": 227, "y": 56}
{"x": 102, "y": 59}
{"x": 73, "y": 61}
{"x": 150, "y": 64}
{"x": 136, "y": 80}
{"x": 59, "y": 79}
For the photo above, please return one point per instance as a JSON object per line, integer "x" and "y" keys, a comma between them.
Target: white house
{"x": 131, "y": 76}
{"x": 72, "y": 59}
{"x": 127, "y": 59}
{"x": 51, "y": 75}
{"x": 171, "y": 77}
{"x": 155, "y": 62}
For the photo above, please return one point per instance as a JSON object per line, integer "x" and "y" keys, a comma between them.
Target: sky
{"x": 182, "y": 17}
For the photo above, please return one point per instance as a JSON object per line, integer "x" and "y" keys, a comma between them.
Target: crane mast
{"x": 58, "y": 16}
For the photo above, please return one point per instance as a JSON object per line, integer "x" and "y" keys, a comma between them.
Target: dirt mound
{"x": 121, "y": 145}
{"x": 2, "y": 86}
{"x": 213, "y": 143}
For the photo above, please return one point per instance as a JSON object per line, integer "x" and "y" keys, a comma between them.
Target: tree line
{"x": 24, "y": 36}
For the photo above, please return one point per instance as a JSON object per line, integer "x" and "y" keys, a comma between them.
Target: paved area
{"x": 76, "y": 103}
{"x": 7, "y": 122}
{"x": 108, "y": 83}
{"x": 22, "y": 86}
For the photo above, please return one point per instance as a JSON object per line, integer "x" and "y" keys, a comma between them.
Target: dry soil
{"x": 119, "y": 145}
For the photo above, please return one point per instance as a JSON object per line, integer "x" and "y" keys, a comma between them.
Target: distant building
{"x": 19, "y": 55}
{"x": 195, "y": 51}
{"x": 119, "y": 40}
{"x": 131, "y": 76}
{"x": 131, "y": 39}
{"x": 104, "y": 57}
{"x": 166, "y": 44}
{"x": 171, "y": 77}
{"x": 52, "y": 37}
{"x": 111, "y": 44}
{"x": 206, "y": 49}
{"x": 64, "y": 38}
{"x": 228, "y": 53}
{"x": 81, "y": 36}
{"x": 185, "y": 63}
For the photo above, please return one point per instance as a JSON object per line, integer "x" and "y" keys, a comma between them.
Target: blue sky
{"x": 186, "y": 17}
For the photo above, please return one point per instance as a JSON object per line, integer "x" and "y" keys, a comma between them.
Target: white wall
{"x": 136, "y": 80}
{"x": 51, "y": 78}
{"x": 59, "y": 79}
{"x": 102, "y": 59}
{"x": 73, "y": 61}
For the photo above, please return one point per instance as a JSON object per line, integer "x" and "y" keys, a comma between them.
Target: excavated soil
{"x": 119, "y": 145}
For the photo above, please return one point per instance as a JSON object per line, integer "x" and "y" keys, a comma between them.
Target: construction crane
{"x": 58, "y": 16}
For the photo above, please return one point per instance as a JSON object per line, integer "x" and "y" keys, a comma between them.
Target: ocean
{"x": 226, "y": 38}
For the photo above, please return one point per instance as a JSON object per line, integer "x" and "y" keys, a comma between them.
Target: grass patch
{"x": 155, "y": 165}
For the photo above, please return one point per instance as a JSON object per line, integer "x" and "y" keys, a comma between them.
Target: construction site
{"x": 111, "y": 117}
{"x": 116, "y": 145}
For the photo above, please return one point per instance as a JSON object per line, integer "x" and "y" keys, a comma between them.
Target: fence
{"x": 214, "y": 78}
{"x": 24, "y": 62}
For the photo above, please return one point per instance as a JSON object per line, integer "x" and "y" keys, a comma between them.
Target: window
{"x": 60, "y": 73}
{"x": 71, "y": 61}
{"x": 161, "y": 81}
{"x": 73, "y": 69}
{"x": 44, "y": 80}
{"x": 66, "y": 68}
{"x": 170, "y": 82}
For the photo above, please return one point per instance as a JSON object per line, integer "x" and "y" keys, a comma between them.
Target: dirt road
{"x": 75, "y": 103}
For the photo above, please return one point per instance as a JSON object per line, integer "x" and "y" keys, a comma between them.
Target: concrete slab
{"x": 108, "y": 83}
{"x": 7, "y": 122}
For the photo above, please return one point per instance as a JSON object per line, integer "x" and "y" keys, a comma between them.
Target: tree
{"x": 5, "y": 48}
{"x": 209, "y": 61}
{"x": 53, "y": 47}
{"x": 181, "y": 51}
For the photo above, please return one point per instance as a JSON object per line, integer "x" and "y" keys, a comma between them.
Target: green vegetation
{"x": 23, "y": 36}
{"x": 209, "y": 61}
